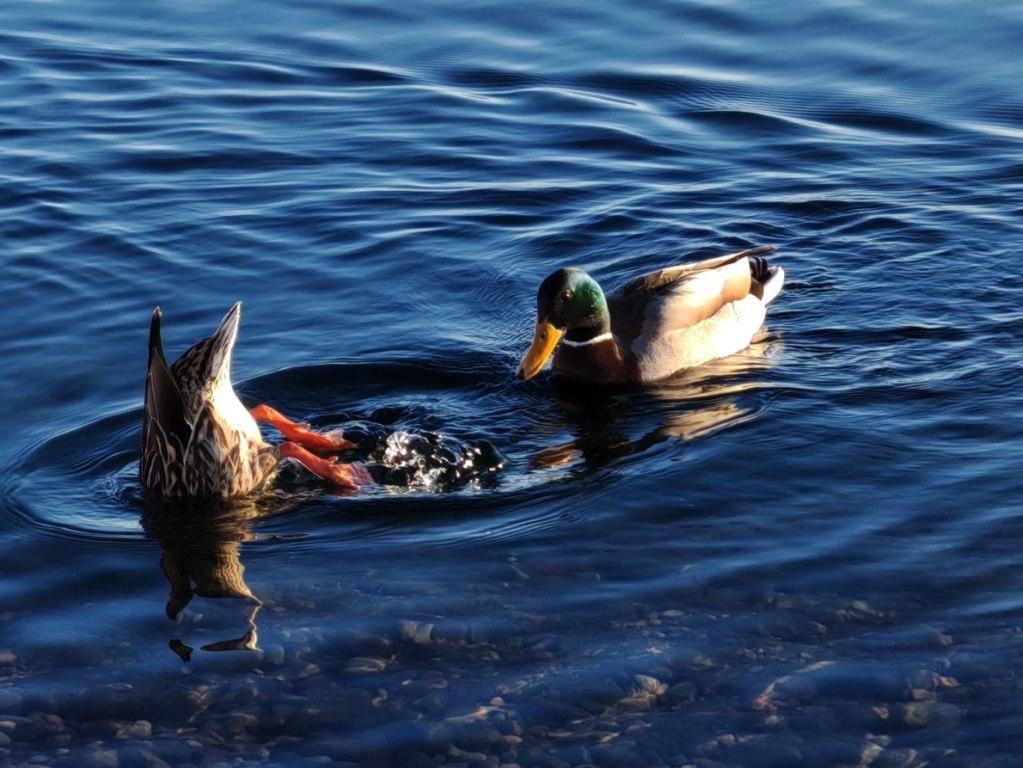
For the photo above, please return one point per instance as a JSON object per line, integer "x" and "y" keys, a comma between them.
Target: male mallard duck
{"x": 674, "y": 318}
{"x": 199, "y": 441}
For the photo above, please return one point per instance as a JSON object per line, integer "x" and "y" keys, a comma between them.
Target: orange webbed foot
{"x": 300, "y": 433}
{"x": 351, "y": 477}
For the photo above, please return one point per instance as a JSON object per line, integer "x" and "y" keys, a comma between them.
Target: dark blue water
{"x": 810, "y": 554}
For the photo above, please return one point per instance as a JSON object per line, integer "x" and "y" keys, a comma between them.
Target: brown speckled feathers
{"x": 197, "y": 438}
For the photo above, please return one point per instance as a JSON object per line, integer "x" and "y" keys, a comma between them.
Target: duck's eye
{"x": 566, "y": 295}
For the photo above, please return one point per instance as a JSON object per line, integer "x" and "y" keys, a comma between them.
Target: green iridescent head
{"x": 569, "y": 304}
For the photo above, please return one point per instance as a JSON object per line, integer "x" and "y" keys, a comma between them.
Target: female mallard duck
{"x": 653, "y": 326}
{"x": 199, "y": 441}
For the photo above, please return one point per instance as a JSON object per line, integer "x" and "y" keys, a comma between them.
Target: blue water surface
{"x": 810, "y": 554}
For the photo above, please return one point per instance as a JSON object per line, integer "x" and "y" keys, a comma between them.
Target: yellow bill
{"x": 545, "y": 339}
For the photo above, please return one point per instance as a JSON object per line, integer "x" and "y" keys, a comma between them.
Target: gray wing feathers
{"x": 680, "y": 296}
{"x": 653, "y": 281}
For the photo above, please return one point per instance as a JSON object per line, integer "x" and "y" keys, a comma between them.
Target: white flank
{"x": 724, "y": 333}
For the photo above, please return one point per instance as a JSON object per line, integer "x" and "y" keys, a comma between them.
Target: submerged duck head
{"x": 571, "y": 305}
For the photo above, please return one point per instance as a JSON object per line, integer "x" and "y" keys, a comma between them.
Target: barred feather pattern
{"x": 218, "y": 461}
{"x": 194, "y": 372}
{"x": 223, "y": 461}
{"x": 162, "y": 453}
{"x": 160, "y": 470}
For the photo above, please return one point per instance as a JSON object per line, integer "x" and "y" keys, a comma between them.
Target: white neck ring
{"x": 595, "y": 340}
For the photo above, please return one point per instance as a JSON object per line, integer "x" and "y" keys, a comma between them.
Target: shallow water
{"x": 808, "y": 554}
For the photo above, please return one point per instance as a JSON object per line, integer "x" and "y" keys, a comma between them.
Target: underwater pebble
{"x": 870, "y": 753}
{"x": 649, "y": 684}
{"x": 140, "y": 729}
{"x": 931, "y": 714}
{"x": 942, "y": 640}
{"x": 417, "y": 632}
{"x": 365, "y": 665}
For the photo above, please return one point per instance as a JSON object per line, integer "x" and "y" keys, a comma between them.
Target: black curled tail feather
{"x": 759, "y": 269}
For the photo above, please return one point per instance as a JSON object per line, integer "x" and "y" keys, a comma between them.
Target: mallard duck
{"x": 653, "y": 326}
{"x": 199, "y": 441}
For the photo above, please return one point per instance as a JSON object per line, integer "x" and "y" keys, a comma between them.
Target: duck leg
{"x": 348, "y": 476}
{"x": 297, "y": 432}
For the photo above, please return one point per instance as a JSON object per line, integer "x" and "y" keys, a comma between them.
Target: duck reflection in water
{"x": 201, "y": 555}
{"x": 686, "y": 406}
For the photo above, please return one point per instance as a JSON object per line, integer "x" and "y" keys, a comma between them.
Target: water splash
{"x": 431, "y": 461}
